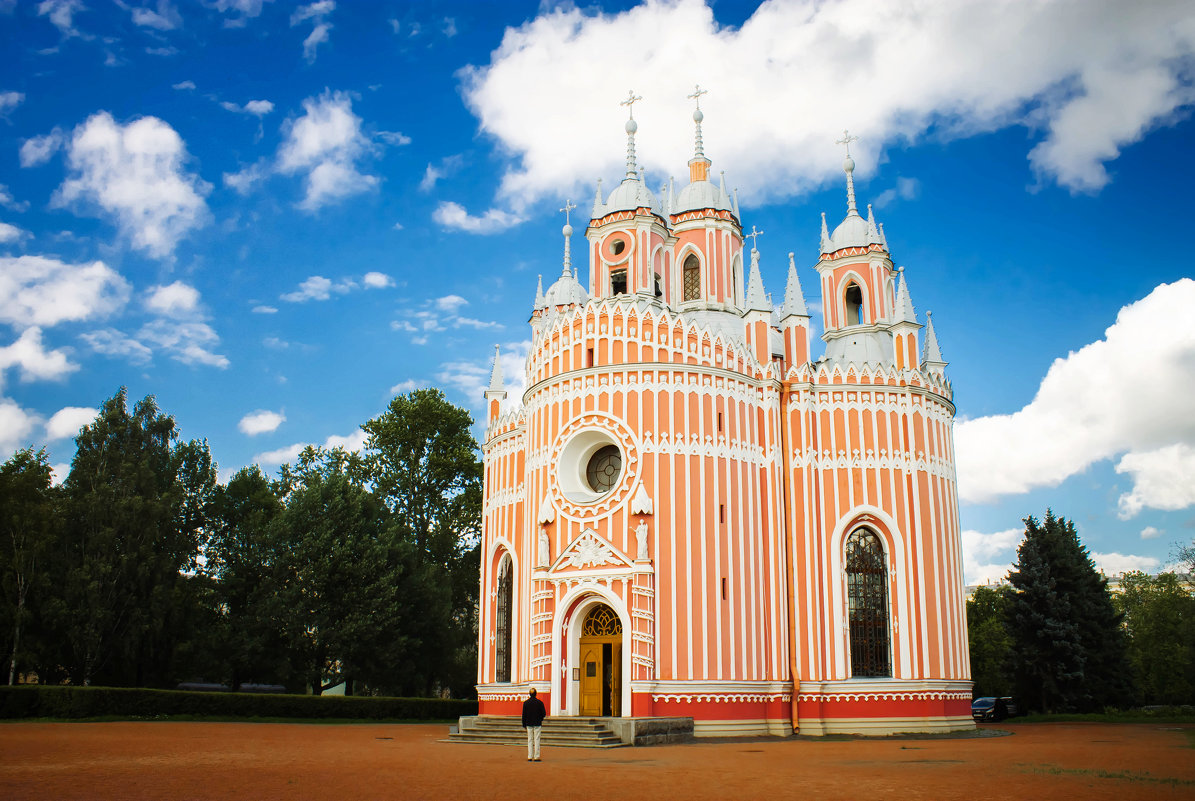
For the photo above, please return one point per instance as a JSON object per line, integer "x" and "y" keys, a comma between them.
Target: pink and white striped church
{"x": 691, "y": 514}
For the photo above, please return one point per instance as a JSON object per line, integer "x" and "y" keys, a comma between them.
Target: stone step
{"x": 566, "y": 732}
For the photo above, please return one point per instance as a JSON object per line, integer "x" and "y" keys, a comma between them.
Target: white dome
{"x": 853, "y": 232}
{"x": 701, "y": 195}
{"x": 630, "y": 195}
{"x": 567, "y": 291}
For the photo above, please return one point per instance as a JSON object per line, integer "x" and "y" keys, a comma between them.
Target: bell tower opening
{"x": 853, "y": 298}
{"x": 618, "y": 282}
{"x": 692, "y": 277}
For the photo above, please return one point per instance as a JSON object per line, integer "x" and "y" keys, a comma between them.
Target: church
{"x": 692, "y": 515}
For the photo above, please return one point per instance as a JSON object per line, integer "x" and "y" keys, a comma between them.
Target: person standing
{"x": 533, "y": 719}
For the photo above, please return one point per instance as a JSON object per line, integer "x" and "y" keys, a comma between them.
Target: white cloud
{"x": 393, "y": 137}
{"x": 244, "y": 181}
{"x": 258, "y": 108}
{"x": 183, "y": 85}
{"x": 905, "y": 189}
{"x": 16, "y": 426}
{"x": 111, "y": 342}
{"x": 135, "y": 174}
{"x": 1091, "y": 75}
{"x": 9, "y": 101}
{"x": 247, "y": 9}
{"x": 265, "y": 310}
{"x": 374, "y": 280}
{"x": 438, "y": 314}
{"x": 166, "y": 18}
{"x": 187, "y": 341}
{"x": 1162, "y": 479}
{"x": 1129, "y": 393}
{"x": 448, "y": 28}
{"x": 353, "y": 442}
{"x": 397, "y": 226}
{"x": 987, "y": 558}
{"x": 10, "y": 233}
{"x": 410, "y": 385}
{"x": 450, "y": 303}
{"x": 325, "y": 144}
{"x": 453, "y": 215}
{"x": 318, "y": 288}
{"x": 34, "y": 361}
{"x": 262, "y": 421}
{"x": 173, "y": 300}
{"x": 60, "y": 472}
{"x": 1150, "y": 533}
{"x": 67, "y": 421}
{"x": 41, "y": 291}
{"x": 318, "y": 12}
{"x": 40, "y": 149}
{"x": 9, "y": 202}
{"x": 61, "y": 14}
{"x": 1113, "y": 564}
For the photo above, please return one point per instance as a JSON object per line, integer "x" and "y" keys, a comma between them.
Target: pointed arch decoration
{"x": 868, "y": 616}
{"x": 505, "y": 619}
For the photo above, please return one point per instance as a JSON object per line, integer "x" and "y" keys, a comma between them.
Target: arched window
{"x": 504, "y": 634}
{"x": 854, "y": 304}
{"x": 867, "y": 604}
{"x": 692, "y": 276}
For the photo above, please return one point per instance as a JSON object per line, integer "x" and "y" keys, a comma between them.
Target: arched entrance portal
{"x": 601, "y": 663}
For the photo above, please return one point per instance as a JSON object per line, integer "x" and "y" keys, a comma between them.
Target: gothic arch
{"x": 843, "y": 305}
{"x": 504, "y": 619}
{"x": 570, "y": 616}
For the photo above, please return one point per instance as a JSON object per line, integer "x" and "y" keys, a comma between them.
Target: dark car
{"x": 990, "y": 709}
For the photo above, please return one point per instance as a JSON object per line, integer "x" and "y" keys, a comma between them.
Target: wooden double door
{"x": 601, "y": 664}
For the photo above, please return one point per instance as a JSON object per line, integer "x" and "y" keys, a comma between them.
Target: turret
{"x": 495, "y": 393}
{"x": 757, "y": 314}
{"x": 794, "y": 319}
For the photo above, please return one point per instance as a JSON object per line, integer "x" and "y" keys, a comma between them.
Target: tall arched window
{"x": 504, "y": 634}
{"x": 854, "y": 304}
{"x": 867, "y": 604}
{"x": 692, "y": 276}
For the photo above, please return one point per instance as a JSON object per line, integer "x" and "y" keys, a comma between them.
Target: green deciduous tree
{"x": 1159, "y": 614}
{"x": 30, "y": 524}
{"x": 1068, "y": 645}
{"x": 137, "y": 508}
{"x": 423, "y": 460}
{"x": 989, "y": 642}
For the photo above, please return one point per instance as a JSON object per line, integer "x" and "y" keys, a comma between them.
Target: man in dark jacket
{"x": 533, "y": 719}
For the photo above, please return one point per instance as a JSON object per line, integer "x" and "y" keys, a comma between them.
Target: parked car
{"x": 990, "y": 709}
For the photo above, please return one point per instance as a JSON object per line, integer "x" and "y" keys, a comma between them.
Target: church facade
{"x": 690, "y": 514}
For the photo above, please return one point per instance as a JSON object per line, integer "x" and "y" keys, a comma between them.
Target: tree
{"x": 989, "y": 642}
{"x": 1068, "y": 645}
{"x": 137, "y": 508}
{"x": 29, "y": 528}
{"x": 423, "y": 460}
{"x": 1159, "y": 614}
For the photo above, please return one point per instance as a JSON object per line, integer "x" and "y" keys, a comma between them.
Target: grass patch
{"x": 1122, "y": 775}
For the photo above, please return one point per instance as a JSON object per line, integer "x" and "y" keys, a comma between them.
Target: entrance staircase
{"x": 557, "y": 731}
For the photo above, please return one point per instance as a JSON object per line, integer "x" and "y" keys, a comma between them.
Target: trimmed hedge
{"x": 48, "y": 701}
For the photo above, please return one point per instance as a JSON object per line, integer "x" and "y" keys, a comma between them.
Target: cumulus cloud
{"x": 187, "y": 341}
{"x": 396, "y": 138}
{"x": 166, "y": 18}
{"x": 410, "y": 385}
{"x": 1163, "y": 478}
{"x": 265, "y": 310}
{"x": 40, "y": 149}
{"x": 258, "y": 108}
{"x": 42, "y": 291}
{"x": 262, "y": 421}
{"x": 1129, "y": 393}
{"x": 324, "y": 144}
{"x": 470, "y": 378}
{"x": 1088, "y": 77}
{"x": 454, "y": 216}
{"x": 111, "y": 342}
{"x": 67, "y": 421}
{"x": 9, "y": 101}
{"x": 183, "y": 85}
{"x": 10, "y": 233}
{"x": 905, "y": 189}
{"x": 135, "y": 175}
{"x": 16, "y": 426}
{"x": 61, "y": 14}
{"x": 438, "y": 314}
{"x": 353, "y": 442}
{"x": 1113, "y": 564}
{"x": 1150, "y": 533}
{"x": 173, "y": 300}
{"x": 987, "y": 558}
{"x": 374, "y": 280}
{"x": 318, "y": 288}
{"x": 33, "y": 360}
{"x": 317, "y": 12}
{"x": 245, "y": 10}
{"x": 9, "y": 202}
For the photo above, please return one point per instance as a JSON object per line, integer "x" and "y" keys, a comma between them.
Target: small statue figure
{"x": 544, "y": 549}
{"x": 641, "y": 537}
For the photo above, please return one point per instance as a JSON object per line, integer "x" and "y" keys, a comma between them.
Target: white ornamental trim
{"x": 886, "y": 696}
{"x": 728, "y": 698}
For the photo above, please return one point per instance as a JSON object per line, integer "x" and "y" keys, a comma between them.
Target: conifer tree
{"x": 1068, "y": 645}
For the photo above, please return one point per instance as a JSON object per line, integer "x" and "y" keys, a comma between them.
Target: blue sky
{"x": 274, "y": 216}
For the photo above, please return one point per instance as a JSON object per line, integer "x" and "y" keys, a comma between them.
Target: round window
{"x": 617, "y": 246}
{"x": 604, "y": 468}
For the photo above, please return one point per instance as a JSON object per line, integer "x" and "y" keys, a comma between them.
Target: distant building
{"x": 690, "y": 515}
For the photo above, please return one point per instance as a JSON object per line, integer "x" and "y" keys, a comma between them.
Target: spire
{"x": 539, "y": 292}
{"x": 883, "y": 238}
{"x": 848, "y": 165}
{"x": 736, "y": 203}
{"x": 497, "y": 384}
{"x": 872, "y": 231}
{"x": 631, "y": 127}
{"x": 825, "y": 244}
{"x": 671, "y": 207}
{"x": 904, "y": 304}
{"x": 699, "y": 165}
{"x": 794, "y": 299}
{"x": 931, "y": 354}
{"x": 598, "y": 206}
{"x": 567, "y": 230}
{"x": 757, "y": 300}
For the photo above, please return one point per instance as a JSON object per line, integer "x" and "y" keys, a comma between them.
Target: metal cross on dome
{"x": 754, "y": 237}
{"x": 697, "y": 93}
{"x": 846, "y": 140}
{"x": 568, "y": 206}
{"x": 630, "y": 102}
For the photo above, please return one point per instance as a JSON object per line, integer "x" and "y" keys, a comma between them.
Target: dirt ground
{"x": 259, "y": 761}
